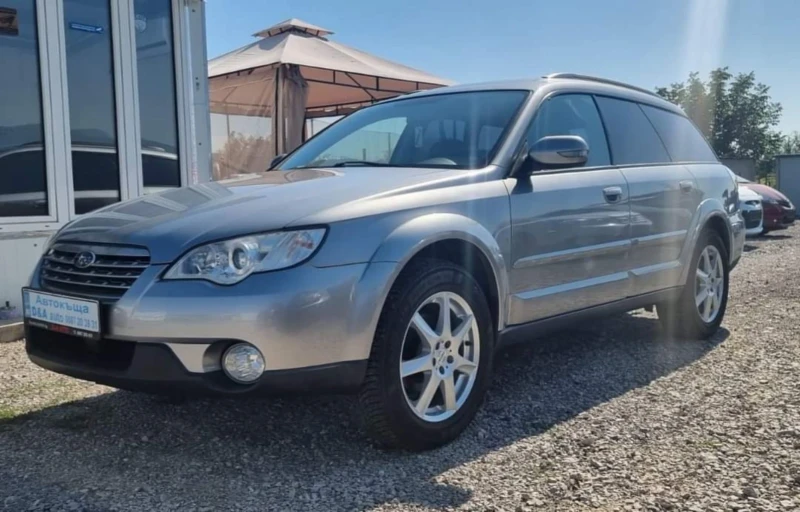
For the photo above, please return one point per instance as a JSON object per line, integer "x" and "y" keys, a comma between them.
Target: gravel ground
{"x": 609, "y": 416}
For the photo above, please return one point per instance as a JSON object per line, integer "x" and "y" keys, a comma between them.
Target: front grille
{"x": 108, "y": 277}
{"x": 752, "y": 218}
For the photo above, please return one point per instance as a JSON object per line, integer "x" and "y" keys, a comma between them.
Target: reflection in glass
{"x": 157, "y": 97}
{"x": 23, "y": 180}
{"x": 240, "y": 144}
{"x": 92, "y": 111}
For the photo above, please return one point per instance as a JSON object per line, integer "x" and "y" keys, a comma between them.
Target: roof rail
{"x": 575, "y": 76}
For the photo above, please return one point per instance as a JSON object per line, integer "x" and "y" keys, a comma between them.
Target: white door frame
{"x": 191, "y": 81}
{"x": 126, "y": 87}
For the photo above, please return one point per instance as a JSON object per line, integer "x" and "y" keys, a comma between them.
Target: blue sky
{"x": 644, "y": 42}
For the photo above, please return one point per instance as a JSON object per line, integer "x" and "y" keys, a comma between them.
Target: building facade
{"x": 102, "y": 101}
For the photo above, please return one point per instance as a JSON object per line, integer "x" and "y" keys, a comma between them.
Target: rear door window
{"x": 684, "y": 142}
{"x": 632, "y": 137}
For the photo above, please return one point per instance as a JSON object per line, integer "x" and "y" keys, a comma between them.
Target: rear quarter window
{"x": 682, "y": 139}
{"x": 632, "y": 138}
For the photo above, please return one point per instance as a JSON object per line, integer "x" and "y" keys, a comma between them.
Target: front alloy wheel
{"x": 440, "y": 356}
{"x": 431, "y": 357}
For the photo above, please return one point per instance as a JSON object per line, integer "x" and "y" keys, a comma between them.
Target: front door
{"x": 570, "y": 227}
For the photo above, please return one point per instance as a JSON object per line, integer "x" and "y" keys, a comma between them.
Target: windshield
{"x": 459, "y": 131}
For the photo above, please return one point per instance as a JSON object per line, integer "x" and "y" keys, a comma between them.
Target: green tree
{"x": 791, "y": 144}
{"x": 735, "y": 113}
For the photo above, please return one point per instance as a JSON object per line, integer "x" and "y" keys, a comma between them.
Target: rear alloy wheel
{"x": 697, "y": 313}
{"x": 431, "y": 358}
{"x": 709, "y": 284}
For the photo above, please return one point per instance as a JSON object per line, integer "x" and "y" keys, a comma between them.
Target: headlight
{"x": 230, "y": 261}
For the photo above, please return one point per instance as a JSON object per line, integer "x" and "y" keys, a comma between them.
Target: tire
{"x": 682, "y": 317}
{"x": 387, "y": 400}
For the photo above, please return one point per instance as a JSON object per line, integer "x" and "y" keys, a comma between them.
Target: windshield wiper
{"x": 347, "y": 163}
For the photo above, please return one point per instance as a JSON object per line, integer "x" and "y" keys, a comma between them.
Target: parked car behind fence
{"x": 779, "y": 212}
{"x": 752, "y": 211}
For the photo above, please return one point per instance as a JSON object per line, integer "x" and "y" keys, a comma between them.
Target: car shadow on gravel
{"x": 309, "y": 452}
{"x": 774, "y": 236}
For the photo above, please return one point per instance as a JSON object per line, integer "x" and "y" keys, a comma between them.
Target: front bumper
{"x": 313, "y": 325}
{"x": 778, "y": 217}
{"x": 154, "y": 368}
{"x": 753, "y": 220}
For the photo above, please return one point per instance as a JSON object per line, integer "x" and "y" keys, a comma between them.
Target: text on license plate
{"x": 74, "y": 313}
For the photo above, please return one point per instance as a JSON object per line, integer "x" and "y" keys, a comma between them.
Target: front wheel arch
{"x": 468, "y": 256}
{"x": 452, "y": 238}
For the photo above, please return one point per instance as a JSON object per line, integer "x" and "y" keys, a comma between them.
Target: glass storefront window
{"x": 80, "y": 105}
{"x": 155, "y": 56}
{"x": 23, "y": 177}
{"x": 92, "y": 104}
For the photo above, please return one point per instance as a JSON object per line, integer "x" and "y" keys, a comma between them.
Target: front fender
{"x": 411, "y": 237}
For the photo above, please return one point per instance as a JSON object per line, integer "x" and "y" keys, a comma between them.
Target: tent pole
{"x": 277, "y": 118}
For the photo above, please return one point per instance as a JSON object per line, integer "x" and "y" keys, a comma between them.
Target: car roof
{"x": 560, "y": 81}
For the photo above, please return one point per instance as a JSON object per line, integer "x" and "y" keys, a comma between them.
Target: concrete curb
{"x": 13, "y": 331}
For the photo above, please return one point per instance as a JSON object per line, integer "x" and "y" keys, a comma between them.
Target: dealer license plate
{"x": 60, "y": 313}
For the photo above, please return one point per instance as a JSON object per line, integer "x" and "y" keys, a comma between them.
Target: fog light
{"x": 243, "y": 363}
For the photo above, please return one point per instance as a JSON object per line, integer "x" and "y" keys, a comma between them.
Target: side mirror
{"x": 560, "y": 151}
{"x": 275, "y": 161}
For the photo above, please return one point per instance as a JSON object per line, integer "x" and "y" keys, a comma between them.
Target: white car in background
{"x": 752, "y": 211}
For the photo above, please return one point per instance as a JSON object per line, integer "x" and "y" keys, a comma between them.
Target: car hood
{"x": 171, "y": 222}
{"x": 766, "y": 191}
{"x": 747, "y": 194}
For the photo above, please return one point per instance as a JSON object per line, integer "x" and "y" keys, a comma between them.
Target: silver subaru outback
{"x": 395, "y": 252}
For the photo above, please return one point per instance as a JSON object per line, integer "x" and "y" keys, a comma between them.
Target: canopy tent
{"x": 261, "y": 94}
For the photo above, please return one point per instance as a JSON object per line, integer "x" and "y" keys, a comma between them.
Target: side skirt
{"x": 527, "y": 332}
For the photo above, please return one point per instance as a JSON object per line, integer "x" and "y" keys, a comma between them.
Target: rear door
{"x": 663, "y": 194}
{"x": 570, "y": 227}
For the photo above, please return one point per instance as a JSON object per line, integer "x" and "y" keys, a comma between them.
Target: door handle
{"x": 613, "y": 195}
{"x": 686, "y": 186}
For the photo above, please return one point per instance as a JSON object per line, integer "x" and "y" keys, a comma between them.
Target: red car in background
{"x": 779, "y": 212}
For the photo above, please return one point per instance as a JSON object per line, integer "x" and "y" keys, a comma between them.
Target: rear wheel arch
{"x": 717, "y": 224}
